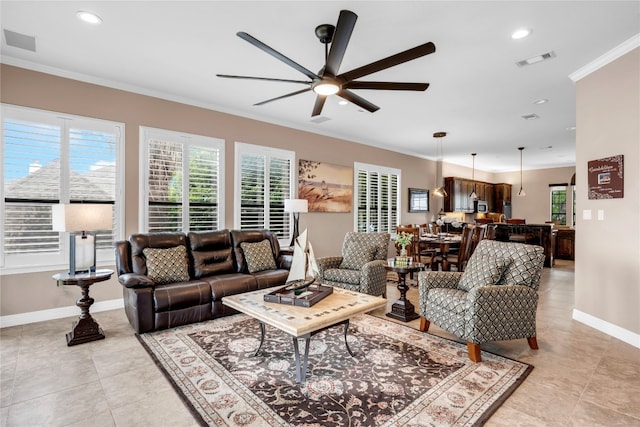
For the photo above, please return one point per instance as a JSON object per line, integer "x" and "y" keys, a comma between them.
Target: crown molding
{"x": 615, "y": 53}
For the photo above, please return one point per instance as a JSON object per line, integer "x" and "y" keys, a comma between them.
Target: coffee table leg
{"x": 262, "y": 333}
{"x": 301, "y": 371}
{"x": 346, "y": 343}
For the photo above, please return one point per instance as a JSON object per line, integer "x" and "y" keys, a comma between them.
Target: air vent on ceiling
{"x": 536, "y": 59}
{"x": 530, "y": 116}
{"x": 320, "y": 119}
{"x": 21, "y": 41}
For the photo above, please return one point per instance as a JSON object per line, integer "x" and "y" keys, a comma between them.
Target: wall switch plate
{"x": 586, "y": 214}
{"x": 600, "y": 214}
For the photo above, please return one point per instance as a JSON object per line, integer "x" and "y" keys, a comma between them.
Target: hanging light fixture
{"x": 521, "y": 193}
{"x": 439, "y": 190}
{"x": 473, "y": 194}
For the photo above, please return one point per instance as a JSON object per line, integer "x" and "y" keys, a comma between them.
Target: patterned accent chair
{"x": 361, "y": 266}
{"x": 494, "y": 299}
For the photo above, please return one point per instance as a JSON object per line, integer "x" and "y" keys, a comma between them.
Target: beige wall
{"x": 24, "y": 293}
{"x": 31, "y": 292}
{"x": 608, "y": 251}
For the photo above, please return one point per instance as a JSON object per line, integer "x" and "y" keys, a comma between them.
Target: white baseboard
{"x": 608, "y": 328}
{"x": 56, "y": 313}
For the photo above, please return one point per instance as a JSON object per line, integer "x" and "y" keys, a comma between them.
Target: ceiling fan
{"x": 327, "y": 81}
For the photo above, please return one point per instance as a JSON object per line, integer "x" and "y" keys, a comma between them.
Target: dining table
{"x": 444, "y": 242}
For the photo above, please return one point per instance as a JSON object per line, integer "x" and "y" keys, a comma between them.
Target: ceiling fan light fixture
{"x": 326, "y": 88}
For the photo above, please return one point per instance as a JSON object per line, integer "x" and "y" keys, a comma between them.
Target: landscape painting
{"x": 327, "y": 187}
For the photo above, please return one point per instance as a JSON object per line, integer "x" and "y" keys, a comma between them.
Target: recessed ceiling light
{"x": 343, "y": 102}
{"x": 89, "y": 17}
{"x": 540, "y": 101}
{"x": 570, "y": 128}
{"x": 521, "y": 33}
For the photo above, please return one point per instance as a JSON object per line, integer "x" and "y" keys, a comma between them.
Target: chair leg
{"x": 533, "y": 343}
{"x": 424, "y": 324}
{"x": 474, "y": 352}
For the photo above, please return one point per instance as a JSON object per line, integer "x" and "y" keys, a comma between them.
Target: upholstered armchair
{"x": 494, "y": 299}
{"x": 361, "y": 266}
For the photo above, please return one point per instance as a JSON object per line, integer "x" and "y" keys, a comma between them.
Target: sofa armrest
{"x": 438, "y": 279}
{"x": 326, "y": 263}
{"x": 373, "y": 278}
{"x": 285, "y": 261}
{"x": 134, "y": 280}
{"x": 515, "y": 319}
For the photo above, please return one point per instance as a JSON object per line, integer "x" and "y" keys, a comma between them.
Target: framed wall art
{"x": 327, "y": 187}
{"x": 606, "y": 178}
{"x": 418, "y": 200}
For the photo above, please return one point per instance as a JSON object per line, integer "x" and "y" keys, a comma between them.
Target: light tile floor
{"x": 582, "y": 377}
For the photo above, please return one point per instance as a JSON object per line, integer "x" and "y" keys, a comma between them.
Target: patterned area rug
{"x": 398, "y": 377}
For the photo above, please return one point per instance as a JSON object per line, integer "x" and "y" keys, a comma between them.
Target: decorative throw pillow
{"x": 357, "y": 254}
{"x": 167, "y": 265}
{"x": 482, "y": 271}
{"x": 259, "y": 256}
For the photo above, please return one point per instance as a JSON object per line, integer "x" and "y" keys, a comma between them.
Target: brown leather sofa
{"x": 217, "y": 268}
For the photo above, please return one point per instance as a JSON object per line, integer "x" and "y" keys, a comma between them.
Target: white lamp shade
{"x": 296, "y": 205}
{"x": 81, "y": 217}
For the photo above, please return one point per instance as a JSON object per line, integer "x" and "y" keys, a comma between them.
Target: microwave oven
{"x": 482, "y": 206}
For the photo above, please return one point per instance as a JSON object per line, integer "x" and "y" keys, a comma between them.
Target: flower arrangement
{"x": 403, "y": 239}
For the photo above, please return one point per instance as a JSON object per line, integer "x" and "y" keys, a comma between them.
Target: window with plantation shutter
{"x": 377, "y": 198}
{"x": 264, "y": 179}
{"x": 51, "y": 158}
{"x": 182, "y": 183}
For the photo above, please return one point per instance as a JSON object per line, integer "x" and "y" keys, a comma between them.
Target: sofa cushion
{"x": 259, "y": 256}
{"x": 211, "y": 252}
{"x": 357, "y": 254}
{"x": 167, "y": 265}
{"x": 482, "y": 271}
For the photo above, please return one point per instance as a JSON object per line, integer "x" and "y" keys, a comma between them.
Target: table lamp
{"x": 79, "y": 220}
{"x": 295, "y": 206}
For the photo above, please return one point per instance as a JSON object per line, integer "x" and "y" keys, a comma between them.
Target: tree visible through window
{"x": 559, "y": 204}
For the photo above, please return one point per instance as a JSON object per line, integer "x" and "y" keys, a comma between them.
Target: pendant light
{"x": 473, "y": 194}
{"x": 521, "y": 193}
{"x": 439, "y": 190}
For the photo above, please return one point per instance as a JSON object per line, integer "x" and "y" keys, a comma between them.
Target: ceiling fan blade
{"x": 388, "y": 62}
{"x": 359, "y": 101}
{"x": 257, "y": 43}
{"x": 317, "y": 107}
{"x": 284, "y": 96}
{"x": 386, "y": 86}
{"x": 341, "y": 37}
{"x": 269, "y": 79}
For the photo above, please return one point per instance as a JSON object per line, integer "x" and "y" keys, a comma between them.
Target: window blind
{"x": 265, "y": 181}
{"x": 377, "y": 198}
{"x": 51, "y": 158}
{"x": 184, "y": 181}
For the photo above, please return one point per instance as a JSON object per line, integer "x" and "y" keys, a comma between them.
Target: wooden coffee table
{"x": 304, "y": 322}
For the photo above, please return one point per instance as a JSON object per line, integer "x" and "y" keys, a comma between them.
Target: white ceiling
{"x": 174, "y": 49}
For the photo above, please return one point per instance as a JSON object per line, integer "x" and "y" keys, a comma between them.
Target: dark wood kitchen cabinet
{"x": 502, "y": 193}
{"x": 565, "y": 244}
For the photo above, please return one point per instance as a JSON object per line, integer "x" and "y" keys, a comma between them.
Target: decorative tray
{"x": 304, "y": 298}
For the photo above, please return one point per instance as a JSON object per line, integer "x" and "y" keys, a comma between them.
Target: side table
{"x": 85, "y": 329}
{"x": 402, "y": 309}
